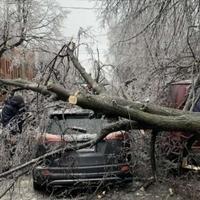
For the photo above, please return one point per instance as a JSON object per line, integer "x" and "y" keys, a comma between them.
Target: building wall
{"x": 8, "y": 71}
{"x": 24, "y": 70}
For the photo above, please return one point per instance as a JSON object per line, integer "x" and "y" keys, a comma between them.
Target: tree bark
{"x": 26, "y": 85}
{"x": 89, "y": 80}
{"x": 160, "y": 118}
{"x": 182, "y": 122}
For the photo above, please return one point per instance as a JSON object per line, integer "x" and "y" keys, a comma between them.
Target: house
{"x": 17, "y": 65}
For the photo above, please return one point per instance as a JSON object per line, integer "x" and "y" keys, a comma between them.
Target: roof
{"x": 72, "y": 111}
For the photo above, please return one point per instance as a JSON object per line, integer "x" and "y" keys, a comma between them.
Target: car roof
{"x": 72, "y": 111}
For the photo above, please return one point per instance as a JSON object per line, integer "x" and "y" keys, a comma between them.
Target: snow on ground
{"x": 23, "y": 190}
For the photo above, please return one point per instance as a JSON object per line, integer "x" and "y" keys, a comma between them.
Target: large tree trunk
{"x": 154, "y": 117}
{"x": 178, "y": 120}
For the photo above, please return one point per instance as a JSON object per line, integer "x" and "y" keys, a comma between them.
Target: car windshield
{"x": 61, "y": 124}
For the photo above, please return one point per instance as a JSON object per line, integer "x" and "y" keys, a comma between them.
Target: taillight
{"x": 49, "y": 138}
{"x": 45, "y": 172}
{"x": 118, "y": 135}
{"x": 125, "y": 168}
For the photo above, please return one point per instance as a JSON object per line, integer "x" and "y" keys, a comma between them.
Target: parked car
{"x": 184, "y": 147}
{"x": 107, "y": 161}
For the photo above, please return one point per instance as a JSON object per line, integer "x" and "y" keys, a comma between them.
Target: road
{"x": 23, "y": 190}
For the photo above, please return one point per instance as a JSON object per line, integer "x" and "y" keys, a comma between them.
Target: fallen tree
{"x": 150, "y": 116}
{"x": 138, "y": 115}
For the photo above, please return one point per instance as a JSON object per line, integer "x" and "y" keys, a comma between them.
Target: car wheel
{"x": 190, "y": 156}
{"x": 40, "y": 150}
{"x": 37, "y": 186}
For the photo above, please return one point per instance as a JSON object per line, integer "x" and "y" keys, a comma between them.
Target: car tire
{"x": 37, "y": 186}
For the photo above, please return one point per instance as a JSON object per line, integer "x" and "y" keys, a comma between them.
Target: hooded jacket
{"x": 13, "y": 107}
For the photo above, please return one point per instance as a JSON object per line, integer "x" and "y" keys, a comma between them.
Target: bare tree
{"x": 134, "y": 114}
{"x": 29, "y": 22}
{"x": 155, "y": 41}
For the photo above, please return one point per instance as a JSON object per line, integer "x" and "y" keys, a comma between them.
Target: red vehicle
{"x": 177, "y": 98}
{"x": 189, "y": 144}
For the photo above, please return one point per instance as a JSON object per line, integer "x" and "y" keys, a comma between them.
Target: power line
{"x": 80, "y": 8}
{"x": 76, "y": 38}
{"x": 77, "y": 0}
{"x": 81, "y": 0}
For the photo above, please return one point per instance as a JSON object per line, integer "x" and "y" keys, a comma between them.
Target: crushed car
{"x": 107, "y": 161}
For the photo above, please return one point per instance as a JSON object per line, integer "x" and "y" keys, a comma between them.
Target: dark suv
{"x": 107, "y": 161}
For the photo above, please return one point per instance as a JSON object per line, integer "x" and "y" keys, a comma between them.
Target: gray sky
{"x": 87, "y": 19}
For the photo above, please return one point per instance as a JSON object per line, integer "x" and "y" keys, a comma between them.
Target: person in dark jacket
{"x": 12, "y": 112}
{"x": 12, "y": 120}
{"x": 197, "y": 107}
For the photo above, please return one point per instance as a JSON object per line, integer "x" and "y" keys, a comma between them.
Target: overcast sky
{"x": 83, "y": 14}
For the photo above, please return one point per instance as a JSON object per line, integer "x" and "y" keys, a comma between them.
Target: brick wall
{"x": 9, "y": 71}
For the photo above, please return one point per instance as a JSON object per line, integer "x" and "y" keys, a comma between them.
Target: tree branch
{"x": 26, "y": 85}
{"x": 89, "y": 80}
{"x": 106, "y": 105}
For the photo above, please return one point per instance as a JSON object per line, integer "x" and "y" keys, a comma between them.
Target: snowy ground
{"x": 23, "y": 190}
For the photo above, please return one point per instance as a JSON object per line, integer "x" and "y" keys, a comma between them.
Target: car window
{"x": 82, "y": 124}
